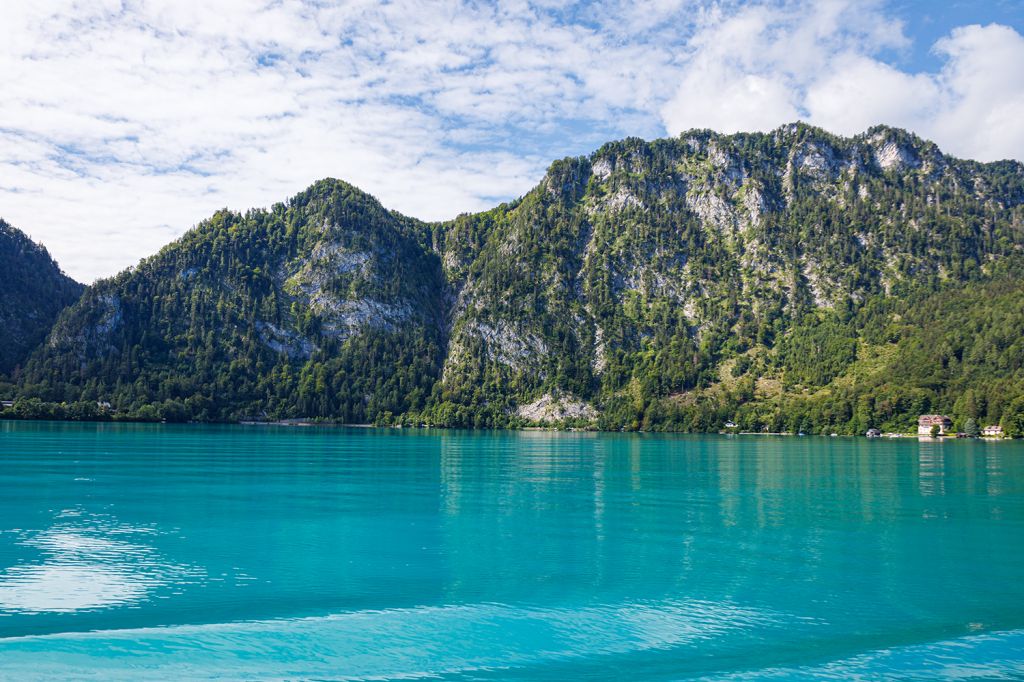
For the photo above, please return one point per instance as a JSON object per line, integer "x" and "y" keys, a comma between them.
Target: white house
{"x": 926, "y": 421}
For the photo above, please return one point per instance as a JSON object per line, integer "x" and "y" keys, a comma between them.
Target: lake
{"x": 262, "y": 552}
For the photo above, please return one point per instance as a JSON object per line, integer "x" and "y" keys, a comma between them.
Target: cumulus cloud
{"x": 765, "y": 65}
{"x": 981, "y": 111}
{"x": 123, "y": 122}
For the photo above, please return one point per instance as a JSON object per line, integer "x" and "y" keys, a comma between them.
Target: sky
{"x": 123, "y": 123}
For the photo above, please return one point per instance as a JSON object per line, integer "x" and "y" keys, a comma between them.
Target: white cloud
{"x": 123, "y": 122}
{"x": 766, "y": 65}
{"x": 859, "y": 92}
{"x": 983, "y": 83}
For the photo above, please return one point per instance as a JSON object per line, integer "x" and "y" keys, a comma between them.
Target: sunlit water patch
{"x": 85, "y": 562}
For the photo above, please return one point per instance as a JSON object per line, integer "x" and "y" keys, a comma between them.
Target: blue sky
{"x": 927, "y": 21}
{"x": 124, "y": 122}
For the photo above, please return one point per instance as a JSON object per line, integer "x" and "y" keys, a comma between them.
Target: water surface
{"x": 140, "y": 551}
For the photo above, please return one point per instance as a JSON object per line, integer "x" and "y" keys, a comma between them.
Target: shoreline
{"x": 307, "y": 423}
{"x": 289, "y": 422}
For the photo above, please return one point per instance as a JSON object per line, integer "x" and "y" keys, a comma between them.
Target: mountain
{"x": 788, "y": 280}
{"x": 33, "y": 291}
{"x": 329, "y": 306}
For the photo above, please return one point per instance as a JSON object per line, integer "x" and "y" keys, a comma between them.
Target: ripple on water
{"x": 411, "y": 642}
{"x": 87, "y": 562}
{"x": 991, "y": 656}
{"x": 483, "y": 640}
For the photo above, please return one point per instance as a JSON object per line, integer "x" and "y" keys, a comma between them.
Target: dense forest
{"x": 34, "y": 291}
{"x": 787, "y": 281}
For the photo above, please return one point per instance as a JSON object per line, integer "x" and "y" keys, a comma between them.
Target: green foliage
{"x": 785, "y": 281}
{"x": 33, "y": 291}
{"x": 258, "y": 316}
{"x": 815, "y": 351}
{"x": 34, "y": 408}
{"x": 1013, "y": 418}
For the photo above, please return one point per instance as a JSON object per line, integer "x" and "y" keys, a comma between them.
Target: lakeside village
{"x": 929, "y": 426}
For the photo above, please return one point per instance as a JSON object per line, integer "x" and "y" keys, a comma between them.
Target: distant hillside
{"x": 789, "y": 280}
{"x": 33, "y": 291}
{"x": 327, "y": 306}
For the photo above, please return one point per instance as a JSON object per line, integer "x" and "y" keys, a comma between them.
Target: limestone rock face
{"x": 892, "y": 156}
{"x": 624, "y": 278}
{"x": 548, "y": 409}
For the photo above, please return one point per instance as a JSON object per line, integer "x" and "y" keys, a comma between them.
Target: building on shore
{"x": 926, "y": 421}
{"x": 994, "y": 431}
{"x": 873, "y": 433}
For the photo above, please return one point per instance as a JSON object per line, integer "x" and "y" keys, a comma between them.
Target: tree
{"x": 971, "y": 427}
{"x": 1013, "y": 419}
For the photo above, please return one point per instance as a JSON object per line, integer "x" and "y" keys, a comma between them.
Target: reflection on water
{"x": 931, "y": 468}
{"x": 512, "y": 555}
{"x": 86, "y": 561}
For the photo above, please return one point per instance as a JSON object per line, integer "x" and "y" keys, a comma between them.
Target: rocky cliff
{"x": 658, "y": 284}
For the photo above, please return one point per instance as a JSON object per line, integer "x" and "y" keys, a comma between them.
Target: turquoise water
{"x": 184, "y": 552}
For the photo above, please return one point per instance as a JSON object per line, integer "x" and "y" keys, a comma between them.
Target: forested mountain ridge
{"x": 772, "y": 278}
{"x": 327, "y": 306}
{"x": 33, "y": 291}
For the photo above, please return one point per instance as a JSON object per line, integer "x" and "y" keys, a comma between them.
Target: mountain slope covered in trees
{"x": 33, "y": 291}
{"x": 788, "y": 280}
{"x": 328, "y": 306}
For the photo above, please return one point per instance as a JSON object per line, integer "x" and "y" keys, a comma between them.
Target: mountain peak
{"x": 658, "y": 283}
